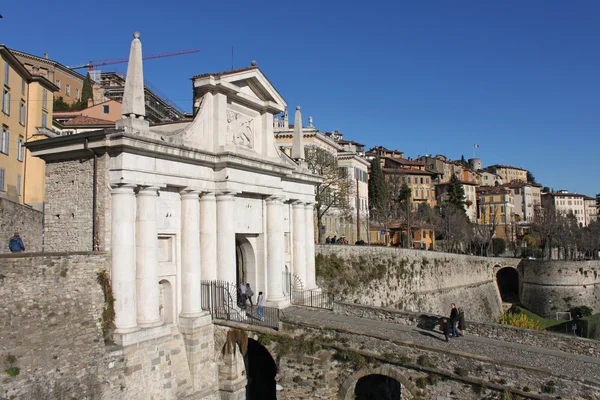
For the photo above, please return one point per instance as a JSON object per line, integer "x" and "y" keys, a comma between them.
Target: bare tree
{"x": 453, "y": 225}
{"x": 490, "y": 219}
{"x": 546, "y": 226}
{"x": 333, "y": 193}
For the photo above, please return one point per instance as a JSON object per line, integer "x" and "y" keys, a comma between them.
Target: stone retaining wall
{"x": 426, "y": 281}
{"x": 548, "y": 340}
{"x": 16, "y": 217}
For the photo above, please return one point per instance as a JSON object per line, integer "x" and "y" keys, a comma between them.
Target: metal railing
{"x": 313, "y": 298}
{"x": 294, "y": 290}
{"x": 224, "y": 302}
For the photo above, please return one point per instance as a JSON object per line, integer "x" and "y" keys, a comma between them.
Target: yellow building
{"x": 495, "y": 207}
{"x": 398, "y": 171}
{"x": 68, "y": 82}
{"x": 508, "y": 173}
{"x": 26, "y": 115}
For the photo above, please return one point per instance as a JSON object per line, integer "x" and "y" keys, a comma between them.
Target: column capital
{"x": 309, "y": 204}
{"x": 123, "y": 188}
{"x": 148, "y": 191}
{"x": 208, "y": 196}
{"x": 298, "y": 204}
{"x": 275, "y": 199}
{"x": 225, "y": 196}
{"x": 190, "y": 194}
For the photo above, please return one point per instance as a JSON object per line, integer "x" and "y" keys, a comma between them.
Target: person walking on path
{"x": 445, "y": 329}
{"x": 262, "y": 302}
{"x": 15, "y": 244}
{"x": 242, "y": 295}
{"x": 461, "y": 322}
{"x": 249, "y": 294}
{"x": 454, "y": 320}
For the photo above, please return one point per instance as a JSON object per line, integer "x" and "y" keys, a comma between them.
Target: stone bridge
{"x": 360, "y": 350}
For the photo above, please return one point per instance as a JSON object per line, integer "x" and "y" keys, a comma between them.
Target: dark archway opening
{"x": 508, "y": 284}
{"x": 377, "y": 387}
{"x": 260, "y": 372}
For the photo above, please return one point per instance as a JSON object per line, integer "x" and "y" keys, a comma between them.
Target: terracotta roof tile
{"x": 84, "y": 120}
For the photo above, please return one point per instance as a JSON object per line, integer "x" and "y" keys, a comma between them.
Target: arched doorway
{"x": 377, "y": 387}
{"x": 260, "y": 372}
{"x": 508, "y": 284}
{"x": 245, "y": 259}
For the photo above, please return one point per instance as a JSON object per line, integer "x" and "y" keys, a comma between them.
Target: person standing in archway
{"x": 242, "y": 295}
{"x": 249, "y": 294}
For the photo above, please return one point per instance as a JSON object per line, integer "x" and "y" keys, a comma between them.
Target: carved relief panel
{"x": 240, "y": 129}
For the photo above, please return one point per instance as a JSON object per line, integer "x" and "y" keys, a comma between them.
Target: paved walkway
{"x": 553, "y": 361}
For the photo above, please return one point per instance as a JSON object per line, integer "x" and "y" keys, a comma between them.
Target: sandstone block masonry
{"x": 16, "y": 217}
{"x": 418, "y": 280}
{"x": 69, "y": 206}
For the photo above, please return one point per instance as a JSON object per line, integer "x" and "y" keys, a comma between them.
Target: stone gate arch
{"x": 348, "y": 387}
{"x": 246, "y": 258}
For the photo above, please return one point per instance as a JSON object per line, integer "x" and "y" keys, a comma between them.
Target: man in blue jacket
{"x": 16, "y": 244}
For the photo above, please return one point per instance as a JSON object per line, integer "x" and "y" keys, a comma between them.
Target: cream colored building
{"x": 26, "y": 116}
{"x": 351, "y": 156}
{"x": 566, "y": 203}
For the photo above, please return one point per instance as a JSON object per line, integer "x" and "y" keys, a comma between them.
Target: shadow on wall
{"x": 378, "y": 387}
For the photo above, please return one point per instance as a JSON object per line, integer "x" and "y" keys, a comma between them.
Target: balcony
{"x": 42, "y": 130}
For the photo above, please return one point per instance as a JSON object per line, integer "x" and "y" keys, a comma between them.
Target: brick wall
{"x": 16, "y": 217}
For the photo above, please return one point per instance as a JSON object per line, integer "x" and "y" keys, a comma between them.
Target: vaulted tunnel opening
{"x": 260, "y": 372}
{"x": 377, "y": 387}
{"x": 508, "y": 284}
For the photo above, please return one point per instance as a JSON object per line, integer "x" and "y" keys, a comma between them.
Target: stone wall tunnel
{"x": 383, "y": 383}
{"x": 261, "y": 370}
{"x": 507, "y": 279}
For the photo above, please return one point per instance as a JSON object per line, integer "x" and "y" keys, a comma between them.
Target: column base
{"x": 126, "y": 339}
{"x": 195, "y": 320}
{"x": 278, "y": 302}
{"x": 122, "y": 331}
{"x": 152, "y": 324}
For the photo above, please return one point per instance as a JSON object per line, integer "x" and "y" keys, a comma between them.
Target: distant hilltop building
{"x": 582, "y": 207}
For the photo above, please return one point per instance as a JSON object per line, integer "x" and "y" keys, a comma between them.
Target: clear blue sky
{"x": 519, "y": 78}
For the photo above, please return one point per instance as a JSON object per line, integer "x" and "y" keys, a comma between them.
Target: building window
{"x": 5, "y": 144}
{"x": 2, "y": 174}
{"x": 76, "y": 93}
{"x": 18, "y": 185}
{"x": 6, "y": 73}
{"x": 58, "y": 83}
{"x": 105, "y": 109}
{"x": 44, "y": 119}
{"x": 68, "y": 89}
{"x": 20, "y": 149}
{"x": 22, "y": 111}
{"x": 6, "y": 101}
{"x": 22, "y": 86}
{"x": 44, "y": 99}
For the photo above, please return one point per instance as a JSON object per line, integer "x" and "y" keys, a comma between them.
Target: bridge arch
{"x": 507, "y": 279}
{"x": 349, "y": 386}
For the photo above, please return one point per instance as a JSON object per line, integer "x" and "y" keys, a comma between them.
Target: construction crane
{"x": 90, "y": 65}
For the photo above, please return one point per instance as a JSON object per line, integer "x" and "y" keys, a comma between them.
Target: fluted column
{"x": 309, "y": 219}
{"x": 123, "y": 257}
{"x": 275, "y": 244}
{"x": 190, "y": 254}
{"x": 299, "y": 245}
{"x": 208, "y": 236}
{"x": 146, "y": 250}
{"x": 226, "y": 238}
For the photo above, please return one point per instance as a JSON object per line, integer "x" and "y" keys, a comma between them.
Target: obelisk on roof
{"x": 133, "y": 110}
{"x": 133, "y": 96}
{"x": 298, "y": 144}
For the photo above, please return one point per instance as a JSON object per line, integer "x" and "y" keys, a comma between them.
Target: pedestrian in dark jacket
{"x": 445, "y": 329}
{"x": 462, "y": 325}
{"x": 454, "y": 320}
{"x": 15, "y": 244}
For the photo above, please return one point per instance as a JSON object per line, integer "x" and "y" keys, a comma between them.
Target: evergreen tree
{"x": 86, "y": 93}
{"x": 60, "y": 105}
{"x": 530, "y": 178}
{"x": 456, "y": 193}
{"x": 464, "y": 162}
{"x": 378, "y": 191}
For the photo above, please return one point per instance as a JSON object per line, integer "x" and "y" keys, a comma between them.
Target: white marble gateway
{"x": 208, "y": 198}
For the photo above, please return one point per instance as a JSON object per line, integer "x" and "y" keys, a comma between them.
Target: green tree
{"x": 379, "y": 196}
{"x": 404, "y": 196}
{"x": 531, "y": 178}
{"x": 332, "y": 194}
{"x": 545, "y": 189}
{"x": 86, "y": 94}
{"x": 464, "y": 162}
{"x": 456, "y": 193}
{"x": 60, "y": 105}
{"x": 498, "y": 246}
